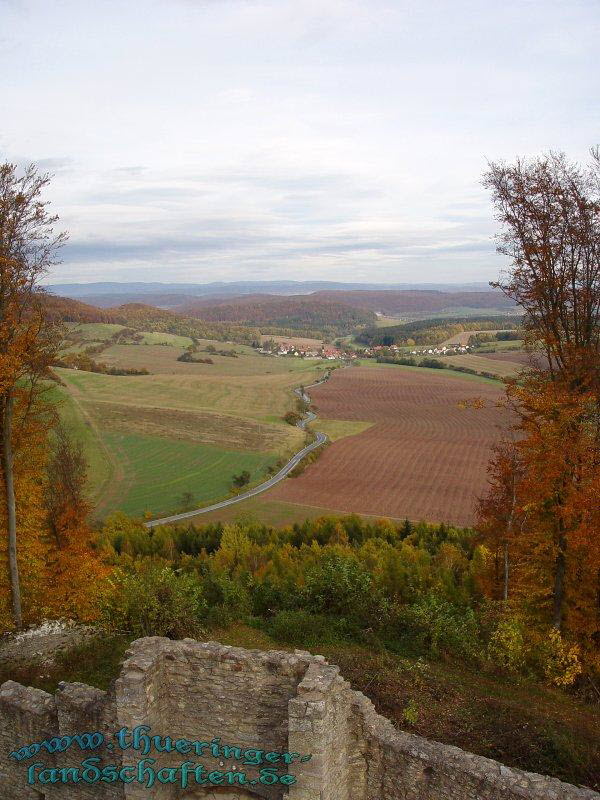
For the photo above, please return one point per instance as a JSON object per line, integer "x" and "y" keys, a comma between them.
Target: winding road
{"x": 320, "y": 439}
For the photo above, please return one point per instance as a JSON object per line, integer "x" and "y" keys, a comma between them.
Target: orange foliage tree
{"x": 542, "y": 510}
{"x": 27, "y": 341}
{"x": 45, "y": 550}
{"x": 29, "y": 447}
{"x": 73, "y": 569}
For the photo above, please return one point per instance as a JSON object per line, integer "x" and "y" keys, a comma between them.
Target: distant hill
{"x": 107, "y": 294}
{"x": 156, "y": 299}
{"x": 143, "y": 317}
{"x": 130, "y": 313}
{"x": 395, "y": 302}
{"x": 69, "y": 310}
{"x": 323, "y": 314}
{"x": 298, "y": 312}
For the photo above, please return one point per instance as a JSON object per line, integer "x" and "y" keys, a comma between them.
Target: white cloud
{"x": 290, "y": 138}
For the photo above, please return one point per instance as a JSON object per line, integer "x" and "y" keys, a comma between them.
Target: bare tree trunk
{"x": 559, "y": 578}
{"x": 506, "y": 573}
{"x": 11, "y": 513}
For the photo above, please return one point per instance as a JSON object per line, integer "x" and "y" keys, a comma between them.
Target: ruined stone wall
{"x": 401, "y": 765}
{"x": 197, "y": 692}
{"x": 275, "y": 701}
{"x": 29, "y": 715}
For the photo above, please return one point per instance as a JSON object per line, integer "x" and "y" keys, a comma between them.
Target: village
{"x": 325, "y": 352}
{"x": 330, "y": 353}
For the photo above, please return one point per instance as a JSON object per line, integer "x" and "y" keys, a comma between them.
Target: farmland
{"x": 507, "y": 367}
{"x": 161, "y": 442}
{"x": 424, "y": 457}
{"x": 173, "y": 439}
{"x": 297, "y": 341}
{"x": 464, "y": 336}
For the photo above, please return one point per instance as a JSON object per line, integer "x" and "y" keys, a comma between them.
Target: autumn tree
{"x": 73, "y": 569}
{"x": 66, "y": 500}
{"x": 28, "y": 341}
{"x": 501, "y": 518}
{"x": 549, "y": 210}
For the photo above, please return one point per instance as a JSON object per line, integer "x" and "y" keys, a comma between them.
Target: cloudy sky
{"x": 198, "y": 140}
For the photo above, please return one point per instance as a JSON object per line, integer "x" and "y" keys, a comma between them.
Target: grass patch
{"x": 95, "y": 662}
{"x": 170, "y": 339}
{"x": 218, "y": 430}
{"x": 254, "y": 395}
{"x": 81, "y": 425}
{"x": 271, "y": 512}
{"x": 387, "y": 322}
{"x": 522, "y": 725}
{"x": 151, "y": 439}
{"x": 95, "y": 331}
{"x": 510, "y": 345}
{"x": 159, "y": 472}
{"x": 337, "y": 429}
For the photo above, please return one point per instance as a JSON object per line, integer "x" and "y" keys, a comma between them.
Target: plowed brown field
{"x": 425, "y": 457}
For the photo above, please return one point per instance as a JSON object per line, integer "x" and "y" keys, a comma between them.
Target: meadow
{"x": 173, "y": 439}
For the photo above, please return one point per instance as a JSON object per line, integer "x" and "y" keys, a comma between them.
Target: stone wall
{"x": 274, "y": 701}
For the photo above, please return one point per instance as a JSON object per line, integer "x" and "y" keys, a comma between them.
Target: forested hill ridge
{"x": 142, "y": 317}
{"x": 69, "y": 310}
{"x": 434, "y": 331}
{"x": 391, "y": 302}
{"x": 237, "y": 288}
{"x": 244, "y": 324}
{"x": 299, "y": 312}
{"x": 325, "y": 314}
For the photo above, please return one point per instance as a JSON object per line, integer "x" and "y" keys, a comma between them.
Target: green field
{"x": 387, "y": 322}
{"x": 158, "y": 472}
{"x": 81, "y": 426}
{"x": 509, "y": 345}
{"x": 269, "y": 512}
{"x": 155, "y": 337}
{"x": 184, "y": 429}
{"x": 94, "y": 331}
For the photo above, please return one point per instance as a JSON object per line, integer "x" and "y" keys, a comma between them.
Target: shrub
{"x": 243, "y": 479}
{"x": 507, "y": 647}
{"x": 441, "y": 627}
{"x": 152, "y": 600}
{"x": 228, "y": 599}
{"x": 339, "y": 585}
{"x": 557, "y": 659}
{"x": 303, "y": 629}
{"x": 410, "y": 713}
{"x": 432, "y": 363}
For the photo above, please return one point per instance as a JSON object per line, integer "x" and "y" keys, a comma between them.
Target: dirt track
{"x": 425, "y": 458}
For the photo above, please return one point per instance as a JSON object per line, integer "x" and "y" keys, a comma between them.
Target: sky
{"x": 209, "y": 140}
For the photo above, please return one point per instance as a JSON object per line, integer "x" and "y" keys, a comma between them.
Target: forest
{"x": 431, "y": 331}
{"x": 299, "y": 313}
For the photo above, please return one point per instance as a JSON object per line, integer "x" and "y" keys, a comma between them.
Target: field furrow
{"x": 425, "y": 456}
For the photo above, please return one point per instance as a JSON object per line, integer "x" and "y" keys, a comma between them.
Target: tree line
{"x": 432, "y": 331}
